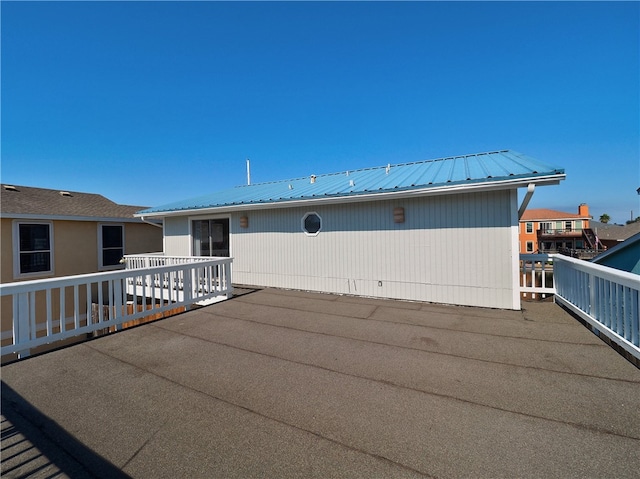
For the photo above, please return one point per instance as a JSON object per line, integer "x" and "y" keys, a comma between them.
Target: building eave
{"x": 445, "y": 189}
{"x": 97, "y": 219}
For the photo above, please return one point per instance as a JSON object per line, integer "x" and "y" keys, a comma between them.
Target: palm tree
{"x": 604, "y": 218}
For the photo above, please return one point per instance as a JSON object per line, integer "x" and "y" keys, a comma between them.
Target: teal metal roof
{"x": 490, "y": 167}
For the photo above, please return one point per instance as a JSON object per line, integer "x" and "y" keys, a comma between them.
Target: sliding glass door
{"x": 211, "y": 237}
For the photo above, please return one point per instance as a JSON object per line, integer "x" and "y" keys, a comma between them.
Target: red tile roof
{"x": 545, "y": 214}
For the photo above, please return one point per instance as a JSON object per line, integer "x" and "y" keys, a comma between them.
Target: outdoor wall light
{"x": 398, "y": 215}
{"x": 244, "y": 222}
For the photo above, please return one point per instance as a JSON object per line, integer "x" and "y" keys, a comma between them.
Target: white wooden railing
{"x": 149, "y": 260}
{"x": 606, "y": 298}
{"x": 536, "y": 275}
{"x": 50, "y": 310}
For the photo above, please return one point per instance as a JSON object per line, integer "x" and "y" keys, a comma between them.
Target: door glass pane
{"x": 220, "y": 237}
{"x": 211, "y": 237}
{"x": 201, "y": 243}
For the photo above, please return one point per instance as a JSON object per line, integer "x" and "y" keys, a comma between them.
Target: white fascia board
{"x": 106, "y": 219}
{"x": 431, "y": 191}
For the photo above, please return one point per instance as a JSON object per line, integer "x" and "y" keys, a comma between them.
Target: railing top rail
{"x": 631, "y": 280}
{"x": 62, "y": 281}
{"x": 162, "y": 255}
{"x": 536, "y": 257}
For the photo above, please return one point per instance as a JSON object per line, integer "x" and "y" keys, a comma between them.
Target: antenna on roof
{"x": 248, "y": 172}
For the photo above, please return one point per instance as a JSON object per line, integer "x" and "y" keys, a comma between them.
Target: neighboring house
{"x": 625, "y": 256}
{"x": 48, "y": 233}
{"x": 444, "y": 230}
{"x": 612, "y": 235}
{"x": 551, "y": 231}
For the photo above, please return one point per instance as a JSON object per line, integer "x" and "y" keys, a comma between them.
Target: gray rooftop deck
{"x": 284, "y": 384}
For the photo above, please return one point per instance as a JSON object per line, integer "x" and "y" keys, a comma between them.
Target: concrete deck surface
{"x": 280, "y": 384}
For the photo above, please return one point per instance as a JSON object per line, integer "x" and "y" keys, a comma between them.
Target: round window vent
{"x": 311, "y": 224}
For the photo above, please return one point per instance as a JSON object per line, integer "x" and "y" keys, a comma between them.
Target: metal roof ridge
{"x": 370, "y": 168}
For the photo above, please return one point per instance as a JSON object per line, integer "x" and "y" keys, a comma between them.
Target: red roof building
{"x": 549, "y": 231}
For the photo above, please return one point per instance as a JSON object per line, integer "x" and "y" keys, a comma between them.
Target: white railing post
{"x": 168, "y": 283}
{"x": 187, "y": 287}
{"x": 21, "y": 321}
{"x": 530, "y": 274}
{"x": 606, "y": 298}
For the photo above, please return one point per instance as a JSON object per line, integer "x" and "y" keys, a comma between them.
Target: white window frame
{"x": 101, "y": 266}
{"x": 191, "y": 219}
{"x": 529, "y": 246}
{"x": 528, "y": 227}
{"x": 302, "y": 225}
{"x": 16, "y": 249}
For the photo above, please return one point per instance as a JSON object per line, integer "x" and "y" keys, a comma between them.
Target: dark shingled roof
{"x": 25, "y": 200}
{"x": 615, "y": 232}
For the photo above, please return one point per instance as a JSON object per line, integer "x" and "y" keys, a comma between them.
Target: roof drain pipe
{"x": 526, "y": 199}
{"x": 149, "y": 222}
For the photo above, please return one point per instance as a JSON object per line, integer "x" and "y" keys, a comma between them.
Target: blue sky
{"x": 153, "y": 102}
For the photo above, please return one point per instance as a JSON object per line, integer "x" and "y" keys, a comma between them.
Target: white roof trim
{"x": 430, "y": 191}
{"x": 110, "y": 219}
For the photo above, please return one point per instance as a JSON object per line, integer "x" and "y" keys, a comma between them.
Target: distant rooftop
{"x": 546, "y": 214}
{"x": 26, "y": 201}
{"x": 467, "y": 171}
{"x": 615, "y": 232}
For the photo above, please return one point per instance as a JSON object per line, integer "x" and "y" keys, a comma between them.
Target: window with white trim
{"x": 311, "y": 224}
{"x": 33, "y": 248}
{"x": 529, "y": 246}
{"x": 210, "y": 237}
{"x": 110, "y": 245}
{"x": 529, "y": 227}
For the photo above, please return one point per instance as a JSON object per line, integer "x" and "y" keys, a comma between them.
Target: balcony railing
{"x": 42, "y": 312}
{"x": 536, "y": 275}
{"x": 45, "y": 311}
{"x": 606, "y": 298}
{"x": 559, "y": 232}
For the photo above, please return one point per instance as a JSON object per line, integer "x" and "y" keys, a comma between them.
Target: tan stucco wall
{"x": 75, "y": 246}
{"x": 75, "y": 251}
{"x": 142, "y": 238}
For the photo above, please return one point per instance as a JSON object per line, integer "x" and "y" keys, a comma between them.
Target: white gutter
{"x": 100, "y": 219}
{"x": 150, "y": 223}
{"x": 438, "y": 190}
{"x": 526, "y": 199}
